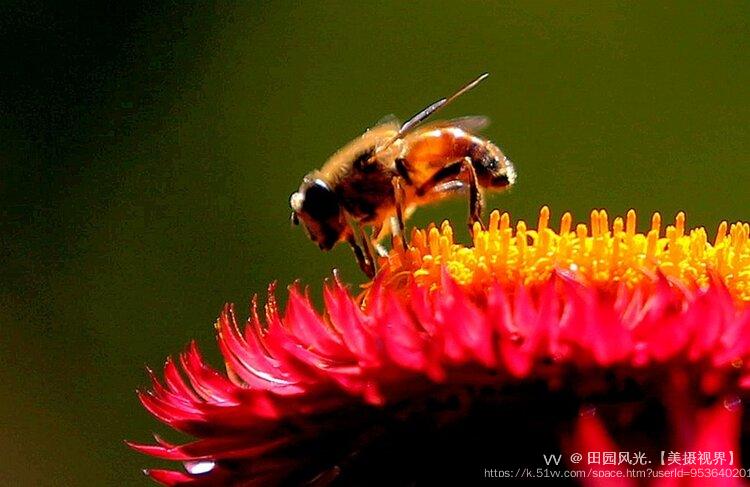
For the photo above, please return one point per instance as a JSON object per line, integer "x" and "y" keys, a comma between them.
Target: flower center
{"x": 601, "y": 254}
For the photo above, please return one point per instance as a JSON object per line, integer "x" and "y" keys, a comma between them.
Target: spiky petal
{"x": 315, "y": 397}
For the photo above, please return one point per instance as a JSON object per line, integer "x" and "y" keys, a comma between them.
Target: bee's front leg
{"x": 362, "y": 249}
{"x": 367, "y": 247}
{"x": 375, "y": 240}
{"x": 364, "y": 258}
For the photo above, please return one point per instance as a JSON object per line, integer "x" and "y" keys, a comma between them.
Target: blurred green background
{"x": 147, "y": 153}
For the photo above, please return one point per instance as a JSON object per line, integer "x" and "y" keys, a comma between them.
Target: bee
{"x": 380, "y": 178}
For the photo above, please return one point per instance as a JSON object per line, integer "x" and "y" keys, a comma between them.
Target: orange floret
{"x": 599, "y": 253}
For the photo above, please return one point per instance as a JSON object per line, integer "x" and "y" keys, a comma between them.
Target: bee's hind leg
{"x": 458, "y": 176}
{"x": 398, "y": 227}
{"x": 475, "y": 196}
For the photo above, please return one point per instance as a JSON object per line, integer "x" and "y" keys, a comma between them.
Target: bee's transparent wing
{"x": 471, "y": 124}
{"x": 425, "y": 113}
{"x": 389, "y": 119}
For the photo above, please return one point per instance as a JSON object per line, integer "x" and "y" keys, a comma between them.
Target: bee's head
{"x": 317, "y": 206}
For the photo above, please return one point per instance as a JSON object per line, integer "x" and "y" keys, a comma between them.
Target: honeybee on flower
{"x": 381, "y": 177}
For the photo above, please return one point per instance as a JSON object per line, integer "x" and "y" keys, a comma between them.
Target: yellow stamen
{"x": 600, "y": 253}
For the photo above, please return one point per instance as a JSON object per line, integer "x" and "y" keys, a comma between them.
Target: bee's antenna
{"x": 425, "y": 113}
{"x": 468, "y": 87}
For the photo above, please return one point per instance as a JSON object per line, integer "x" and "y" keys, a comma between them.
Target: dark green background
{"x": 147, "y": 154}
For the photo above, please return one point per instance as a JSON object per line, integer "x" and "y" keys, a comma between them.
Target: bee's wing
{"x": 389, "y": 119}
{"x": 428, "y": 111}
{"x": 471, "y": 124}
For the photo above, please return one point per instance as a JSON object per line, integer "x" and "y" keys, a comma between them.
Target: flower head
{"x": 456, "y": 359}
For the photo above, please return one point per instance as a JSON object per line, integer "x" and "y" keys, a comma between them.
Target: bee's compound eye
{"x": 320, "y": 202}
{"x": 296, "y": 201}
{"x": 321, "y": 214}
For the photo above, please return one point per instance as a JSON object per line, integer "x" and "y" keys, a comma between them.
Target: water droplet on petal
{"x": 516, "y": 338}
{"x": 587, "y": 411}
{"x": 640, "y": 354}
{"x": 732, "y": 403}
{"x": 198, "y": 468}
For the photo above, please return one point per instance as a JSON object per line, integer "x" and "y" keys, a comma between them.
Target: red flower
{"x": 470, "y": 362}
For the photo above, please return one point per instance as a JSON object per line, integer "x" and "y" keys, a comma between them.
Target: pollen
{"x": 604, "y": 252}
